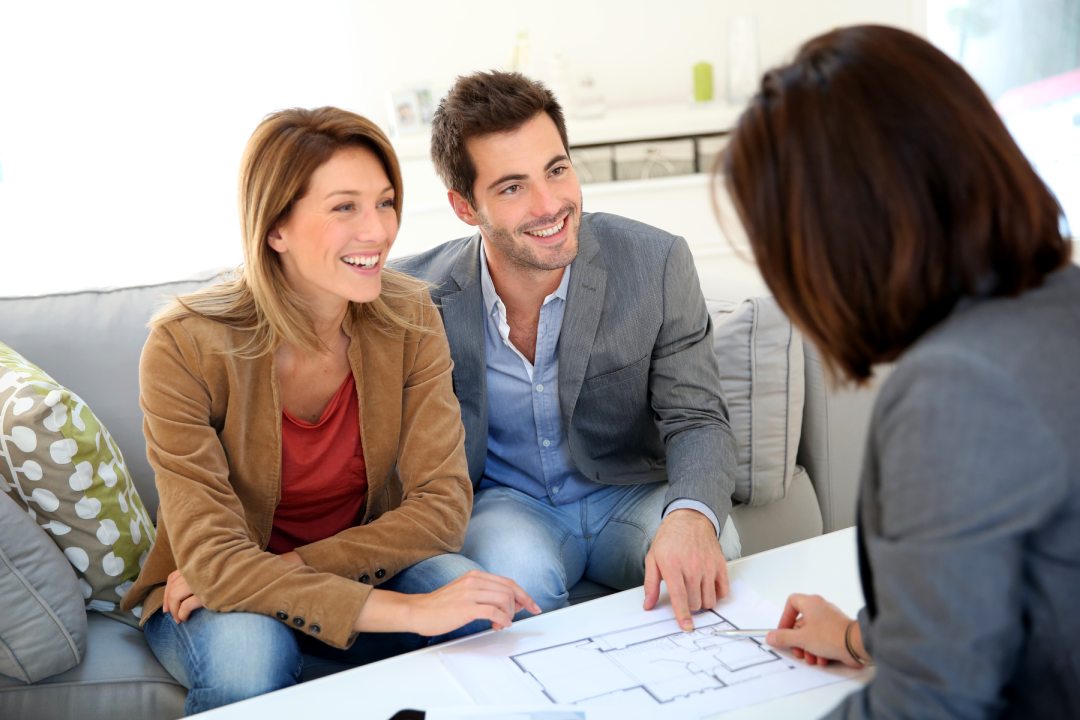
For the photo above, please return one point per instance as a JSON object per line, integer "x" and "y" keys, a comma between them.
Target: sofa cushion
{"x": 91, "y": 341}
{"x": 43, "y": 623}
{"x": 118, "y": 678}
{"x": 62, "y": 465}
{"x": 761, "y": 374}
{"x": 793, "y": 518}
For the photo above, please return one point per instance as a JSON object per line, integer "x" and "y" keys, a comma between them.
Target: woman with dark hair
{"x": 894, "y": 219}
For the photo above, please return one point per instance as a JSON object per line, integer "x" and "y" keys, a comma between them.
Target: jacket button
{"x": 298, "y": 622}
{"x": 365, "y": 578}
{"x": 282, "y": 615}
{"x": 380, "y": 573}
{"x": 315, "y": 629}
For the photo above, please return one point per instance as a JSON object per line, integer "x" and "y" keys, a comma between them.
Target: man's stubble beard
{"x": 523, "y": 255}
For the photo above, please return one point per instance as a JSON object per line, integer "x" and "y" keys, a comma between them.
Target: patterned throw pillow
{"x": 61, "y": 465}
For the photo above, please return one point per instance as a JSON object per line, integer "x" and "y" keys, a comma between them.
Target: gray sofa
{"x": 90, "y": 342}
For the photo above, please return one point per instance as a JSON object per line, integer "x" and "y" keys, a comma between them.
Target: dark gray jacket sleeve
{"x": 684, "y": 391}
{"x": 960, "y": 469}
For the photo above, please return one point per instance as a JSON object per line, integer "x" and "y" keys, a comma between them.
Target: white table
{"x": 826, "y": 565}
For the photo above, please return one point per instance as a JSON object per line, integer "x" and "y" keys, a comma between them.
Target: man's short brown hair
{"x": 481, "y": 104}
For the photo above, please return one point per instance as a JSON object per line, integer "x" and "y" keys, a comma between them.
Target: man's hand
{"x": 686, "y": 555}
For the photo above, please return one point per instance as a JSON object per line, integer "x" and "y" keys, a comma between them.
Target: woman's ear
{"x": 275, "y": 240}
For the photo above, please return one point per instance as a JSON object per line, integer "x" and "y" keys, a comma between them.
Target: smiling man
{"x": 596, "y": 436}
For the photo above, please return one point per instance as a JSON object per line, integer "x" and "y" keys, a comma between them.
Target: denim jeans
{"x": 227, "y": 657}
{"x": 548, "y": 548}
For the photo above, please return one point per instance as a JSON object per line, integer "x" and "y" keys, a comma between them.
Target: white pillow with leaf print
{"x": 60, "y": 463}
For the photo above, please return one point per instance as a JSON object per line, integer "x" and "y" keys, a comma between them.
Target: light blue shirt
{"x": 527, "y": 447}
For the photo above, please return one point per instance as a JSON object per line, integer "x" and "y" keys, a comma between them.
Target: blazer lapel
{"x": 463, "y": 316}
{"x": 584, "y": 303}
{"x": 368, "y": 352}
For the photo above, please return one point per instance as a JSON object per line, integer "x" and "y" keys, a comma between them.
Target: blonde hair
{"x": 281, "y": 156}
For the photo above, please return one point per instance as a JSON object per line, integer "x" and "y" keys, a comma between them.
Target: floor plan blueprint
{"x": 612, "y": 659}
{"x": 658, "y": 662}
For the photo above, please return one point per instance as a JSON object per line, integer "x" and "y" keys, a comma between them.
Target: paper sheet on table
{"x": 615, "y": 660}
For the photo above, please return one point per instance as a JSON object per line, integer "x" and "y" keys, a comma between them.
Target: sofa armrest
{"x": 836, "y": 419}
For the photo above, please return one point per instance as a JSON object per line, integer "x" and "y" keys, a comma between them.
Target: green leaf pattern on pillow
{"x": 60, "y": 464}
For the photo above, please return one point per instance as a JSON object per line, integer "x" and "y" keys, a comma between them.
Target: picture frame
{"x": 426, "y": 102}
{"x": 404, "y": 112}
{"x": 410, "y": 109}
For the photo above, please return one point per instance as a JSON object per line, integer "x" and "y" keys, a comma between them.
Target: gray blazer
{"x": 639, "y": 385}
{"x": 969, "y": 516}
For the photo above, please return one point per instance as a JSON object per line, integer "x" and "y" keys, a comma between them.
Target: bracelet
{"x": 850, "y": 646}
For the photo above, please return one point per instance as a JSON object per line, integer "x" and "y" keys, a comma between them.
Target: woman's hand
{"x": 179, "y": 600}
{"x": 475, "y": 595}
{"x": 292, "y": 557}
{"x": 813, "y": 629}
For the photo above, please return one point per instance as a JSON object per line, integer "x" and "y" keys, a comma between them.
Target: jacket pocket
{"x": 635, "y": 369}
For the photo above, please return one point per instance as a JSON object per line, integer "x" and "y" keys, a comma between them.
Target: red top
{"x": 323, "y": 477}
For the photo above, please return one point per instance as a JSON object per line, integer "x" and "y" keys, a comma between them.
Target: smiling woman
{"x": 303, "y": 174}
{"x": 305, "y": 437}
{"x": 337, "y": 235}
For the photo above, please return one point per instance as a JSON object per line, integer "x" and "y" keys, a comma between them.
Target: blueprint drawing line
{"x": 655, "y": 662}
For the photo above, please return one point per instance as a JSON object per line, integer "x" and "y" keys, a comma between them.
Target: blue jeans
{"x": 227, "y": 657}
{"x": 548, "y": 548}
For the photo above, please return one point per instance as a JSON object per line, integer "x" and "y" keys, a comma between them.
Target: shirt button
{"x": 380, "y": 573}
{"x": 547, "y": 443}
{"x": 282, "y": 615}
{"x": 555, "y": 491}
{"x": 540, "y": 387}
{"x": 315, "y": 629}
{"x": 365, "y": 578}
{"x": 298, "y": 622}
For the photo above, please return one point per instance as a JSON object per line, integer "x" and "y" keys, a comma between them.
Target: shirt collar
{"x": 491, "y": 297}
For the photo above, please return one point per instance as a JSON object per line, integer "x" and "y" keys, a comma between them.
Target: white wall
{"x": 122, "y": 123}
{"x": 636, "y": 50}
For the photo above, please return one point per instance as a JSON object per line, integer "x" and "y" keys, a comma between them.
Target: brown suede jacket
{"x": 213, "y": 435}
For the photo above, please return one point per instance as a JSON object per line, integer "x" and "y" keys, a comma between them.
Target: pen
{"x": 742, "y": 632}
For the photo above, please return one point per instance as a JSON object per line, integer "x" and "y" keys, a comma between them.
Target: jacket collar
{"x": 463, "y": 316}
{"x": 466, "y": 269}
